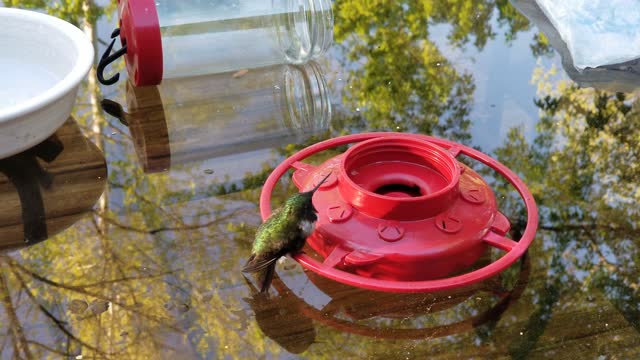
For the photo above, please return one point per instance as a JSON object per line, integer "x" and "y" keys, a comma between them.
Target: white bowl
{"x": 42, "y": 61}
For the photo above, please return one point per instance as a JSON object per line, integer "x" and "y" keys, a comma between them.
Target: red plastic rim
{"x": 140, "y": 31}
{"x": 405, "y": 208}
{"x": 514, "y": 249}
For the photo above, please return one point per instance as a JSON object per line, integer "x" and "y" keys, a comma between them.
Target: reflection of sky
{"x": 502, "y": 73}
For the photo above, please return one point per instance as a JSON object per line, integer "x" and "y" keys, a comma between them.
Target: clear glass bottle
{"x": 197, "y": 37}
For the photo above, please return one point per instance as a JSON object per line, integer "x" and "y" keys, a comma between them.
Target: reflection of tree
{"x": 541, "y": 45}
{"x": 402, "y": 80}
{"x": 581, "y": 168}
{"x": 583, "y": 160}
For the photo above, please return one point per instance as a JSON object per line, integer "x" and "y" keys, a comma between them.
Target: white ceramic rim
{"x": 71, "y": 80}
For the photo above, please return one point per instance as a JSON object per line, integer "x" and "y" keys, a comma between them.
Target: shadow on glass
{"x": 49, "y": 187}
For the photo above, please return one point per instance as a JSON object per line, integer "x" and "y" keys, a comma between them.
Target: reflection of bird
{"x": 285, "y": 231}
{"x": 272, "y": 312}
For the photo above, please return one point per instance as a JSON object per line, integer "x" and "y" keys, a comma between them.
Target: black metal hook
{"x": 107, "y": 58}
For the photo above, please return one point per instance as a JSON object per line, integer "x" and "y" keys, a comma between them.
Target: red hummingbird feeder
{"x": 399, "y": 213}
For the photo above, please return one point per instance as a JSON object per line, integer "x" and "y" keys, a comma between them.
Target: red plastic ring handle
{"x": 410, "y": 286}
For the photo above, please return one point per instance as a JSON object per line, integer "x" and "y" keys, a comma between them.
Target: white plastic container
{"x": 180, "y": 38}
{"x": 42, "y": 62}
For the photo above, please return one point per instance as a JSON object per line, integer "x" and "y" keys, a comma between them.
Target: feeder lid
{"x": 140, "y": 32}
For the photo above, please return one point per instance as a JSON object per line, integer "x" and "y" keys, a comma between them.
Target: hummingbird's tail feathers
{"x": 250, "y": 261}
{"x": 264, "y": 267}
{"x": 258, "y": 264}
{"x": 266, "y": 276}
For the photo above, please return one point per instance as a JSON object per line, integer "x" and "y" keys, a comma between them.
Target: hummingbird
{"x": 284, "y": 232}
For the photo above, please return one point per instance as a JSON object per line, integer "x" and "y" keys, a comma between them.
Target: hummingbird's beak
{"x": 316, "y": 188}
{"x": 320, "y": 183}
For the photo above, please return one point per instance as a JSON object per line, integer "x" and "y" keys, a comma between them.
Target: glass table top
{"x": 123, "y": 235}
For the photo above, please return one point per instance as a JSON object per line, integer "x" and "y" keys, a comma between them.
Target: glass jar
{"x": 180, "y": 38}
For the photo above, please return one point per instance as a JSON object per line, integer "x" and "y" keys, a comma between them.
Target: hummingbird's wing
{"x": 256, "y": 264}
{"x": 264, "y": 267}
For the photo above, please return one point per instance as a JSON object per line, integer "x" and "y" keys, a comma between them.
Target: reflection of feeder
{"x": 47, "y": 188}
{"x": 368, "y": 313}
{"x": 205, "y": 117}
{"x": 623, "y": 77}
{"x": 356, "y": 302}
{"x": 399, "y": 213}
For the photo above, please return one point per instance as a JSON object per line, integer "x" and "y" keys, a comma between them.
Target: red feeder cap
{"x": 140, "y": 32}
